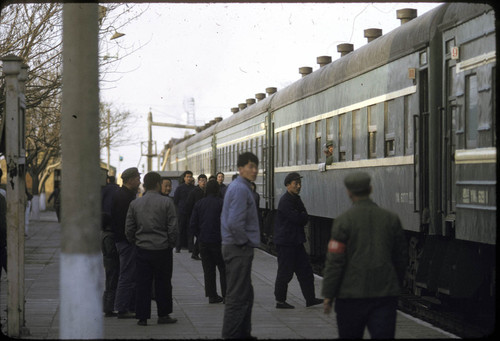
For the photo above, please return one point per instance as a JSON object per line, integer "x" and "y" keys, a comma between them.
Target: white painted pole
{"x": 81, "y": 284}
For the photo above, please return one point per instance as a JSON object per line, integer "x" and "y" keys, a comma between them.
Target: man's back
{"x": 152, "y": 222}
{"x": 375, "y": 252}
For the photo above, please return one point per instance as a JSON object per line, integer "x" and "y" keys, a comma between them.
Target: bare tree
{"x": 34, "y": 32}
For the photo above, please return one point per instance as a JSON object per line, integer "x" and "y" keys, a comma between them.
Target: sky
{"x": 220, "y": 55}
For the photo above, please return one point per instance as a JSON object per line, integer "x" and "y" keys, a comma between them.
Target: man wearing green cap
{"x": 365, "y": 266}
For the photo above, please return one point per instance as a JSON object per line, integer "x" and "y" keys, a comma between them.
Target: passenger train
{"x": 415, "y": 108}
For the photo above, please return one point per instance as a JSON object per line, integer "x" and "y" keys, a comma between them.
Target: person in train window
{"x": 180, "y": 200}
{"x": 240, "y": 235}
{"x": 289, "y": 238}
{"x": 196, "y": 195}
{"x": 205, "y": 222}
{"x": 328, "y": 150}
{"x": 222, "y": 185}
{"x": 152, "y": 226}
{"x": 365, "y": 266}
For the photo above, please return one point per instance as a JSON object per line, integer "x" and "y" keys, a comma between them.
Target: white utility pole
{"x": 15, "y": 152}
{"x": 81, "y": 283}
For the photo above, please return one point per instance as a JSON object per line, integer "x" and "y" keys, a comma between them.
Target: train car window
{"x": 356, "y": 135}
{"x": 341, "y": 139}
{"x": 471, "y": 111}
{"x": 329, "y": 129}
{"x": 319, "y": 147}
{"x": 290, "y": 147}
{"x": 299, "y": 145}
{"x": 309, "y": 142}
{"x": 494, "y": 101}
{"x": 389, "y": 130}
{"x": 372, "y": 132}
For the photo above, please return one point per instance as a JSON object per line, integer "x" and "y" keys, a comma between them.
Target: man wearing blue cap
{"x": 289, "y": 238}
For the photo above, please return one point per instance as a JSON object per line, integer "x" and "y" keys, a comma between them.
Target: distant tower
{"x": 189, "y": 109}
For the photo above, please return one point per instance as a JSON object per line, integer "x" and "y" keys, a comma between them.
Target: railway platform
{"x": 197, "y": 319}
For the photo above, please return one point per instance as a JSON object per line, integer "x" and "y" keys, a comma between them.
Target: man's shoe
{"x": 316, "y": 301}
{"x": 215, "y": 299}
{"x": 284, "y": 305}
{"x": 110, "y": 314}
{"x": 142, "y": 322}
{"x": 195, "y": 257}
{"x": 166, "y": 320}
{"x": 126, "y": 315}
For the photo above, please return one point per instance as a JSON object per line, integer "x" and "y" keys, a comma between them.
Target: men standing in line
{"x": 152, "y": 226}
{"x": 240, "y": 235}
{"x": 365, "y": 266}
{"x": 110, "y": 257}
{"x": 196, "y": 195}
{"x": 180, "y": 200}
{"x": 205, "y": 222}
{"x": 125, "y": 291}
{"x": 289, "y": 238}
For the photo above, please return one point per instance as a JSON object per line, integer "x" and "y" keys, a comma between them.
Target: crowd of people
{"x": 220, "y": 225}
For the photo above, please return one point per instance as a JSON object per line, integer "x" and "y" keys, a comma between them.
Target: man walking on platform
{"x": 125, "y": 291}
{"x": 180, "y": 200}
{"x": 152, "y": 226}
{"x": 365, "y": 266}
{"x": 289, "y": 238}
{"x": 205, "y": 222}
{"x": 240, "y": 235}
{"x": 194, "y": 196}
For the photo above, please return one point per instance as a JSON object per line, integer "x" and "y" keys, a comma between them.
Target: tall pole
{"x": 81, "y": 283}
{"x": 16, "y": 160}
{"x": 150, "y": 141}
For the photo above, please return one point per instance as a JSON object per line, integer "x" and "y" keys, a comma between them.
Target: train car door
{"x": 421, "y": 149}
{"x": 268, "y": 162}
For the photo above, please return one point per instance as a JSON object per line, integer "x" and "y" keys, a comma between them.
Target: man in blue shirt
{"x": 240, "y": 235}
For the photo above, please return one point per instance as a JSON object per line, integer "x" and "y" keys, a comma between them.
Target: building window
{"x": 471, "y": 111}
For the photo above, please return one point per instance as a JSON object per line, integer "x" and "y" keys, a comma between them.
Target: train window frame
{"x": 342, "y": 148}
{"x": 317, "y": 139}
{"x": 299, "y": 145}
{"x": 356, "y": 135}
{"x": 371, "y": 120}
{"x": 471, "y": 116}
{"x": 389, "y": 130}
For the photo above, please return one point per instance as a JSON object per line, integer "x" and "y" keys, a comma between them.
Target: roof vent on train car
{"x": 305, "y": 70}
{"x": 345, "y": 49}
{"x": 406, "y": 14}
{"x": 235, "y": 110}
{"x": 250, "y": 101}
{"x": 372, "y": 33}
{"x": 212, "y": 122}
{"x": 242, "y": 106}
{"x": 260, "y": 96}
{"x": 199, "y": 129}
{"x": 323, "y": 60}
{"x": 218, "y": 119}
{"x": 271, "y": 90}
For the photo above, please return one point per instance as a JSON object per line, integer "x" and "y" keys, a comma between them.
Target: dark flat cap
{"x": 130, "y": 173}
{"x": 292, "y": 176}
{"x": 357, "y": 182}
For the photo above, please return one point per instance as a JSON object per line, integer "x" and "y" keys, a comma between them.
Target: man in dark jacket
{"x": 289, "y": 238}
{"x": 194, "y": 196}
{"x": 152, "y": 226}
{"x": 365, "y": 266}
{"x": 205, "y": 222}
{"x": 180, "y": 200}
{"x": 110, "y": 257}
{"x": 125, "y": 291}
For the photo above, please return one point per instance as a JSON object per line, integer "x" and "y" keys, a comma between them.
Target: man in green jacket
{"x": 365, "y": 266}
